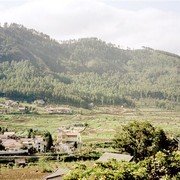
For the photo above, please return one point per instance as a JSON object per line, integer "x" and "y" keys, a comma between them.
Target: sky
{"x": 128, "y": 23}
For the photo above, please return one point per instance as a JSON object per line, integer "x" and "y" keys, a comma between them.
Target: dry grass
{"x": 21, "y": 174}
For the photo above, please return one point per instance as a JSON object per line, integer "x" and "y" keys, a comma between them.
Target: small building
{"x": 2, "y": 136}
{"x": 59, "y": 110}
{"x": 11, "y": 144}
{"x": 11, "y": 103}
{"x": 118, "y": 157}
{"x": 20, "y": 162}
{"x": 39, "y": 102}
{"x": 9, "y": 134}
{"x": 68, "y": 140}
{"x": 58, "y": 174}
{"x": 66, "y": 136}
{"x": 3, "y": 111}
{"x": 91, "y": 105}
{"x": 14, "y": 153}
{"x": 27, "y": 142}
{"x": 23, "y": 109}
{"x": 39, "y": 144}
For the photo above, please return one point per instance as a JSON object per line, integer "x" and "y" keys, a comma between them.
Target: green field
{"x": 102, "y": 124}
{"x": 102, "y": 121}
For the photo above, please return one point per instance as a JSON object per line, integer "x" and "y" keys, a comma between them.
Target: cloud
{"x": 69, "y": 19}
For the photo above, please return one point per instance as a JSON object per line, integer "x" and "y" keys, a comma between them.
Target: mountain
{"x": 77, "y": 72}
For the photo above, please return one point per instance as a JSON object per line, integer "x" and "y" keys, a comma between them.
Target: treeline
{"x": 78, "y": 72}
{"x": 20, "y": 81}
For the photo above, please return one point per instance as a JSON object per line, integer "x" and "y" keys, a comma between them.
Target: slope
{"x": 81, "y": 71}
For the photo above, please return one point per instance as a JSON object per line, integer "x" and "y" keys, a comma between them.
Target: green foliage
{"x": 44, "y": 165}
{"x": 3, "y": 129}
{"x": 79, "y": 72}
{"x": 31, "y": 133}
{"x": 141, "y": 139}
{"x": 157, "y": 167}
{"x": 48, "y": 139}
{"x": 1, "y": 146}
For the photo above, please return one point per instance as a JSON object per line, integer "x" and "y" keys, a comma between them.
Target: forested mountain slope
{"x": 78, "y": 72}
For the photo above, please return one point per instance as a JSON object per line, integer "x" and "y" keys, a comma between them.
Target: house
{"x": 27, "y": 142}
{"x": 11, "y": 103}
{"x": 67, "y": 136}
{"x": 59, "y": 110}
{"x": 2, "y": 136}
{"x": 68, "y": 140}
{"x": 14, "y": 153}
{"x": 91, "y": 105}
{"x": 39, "y": 144}
{"x": 20, "y": 161}
{"x": 3, "y": 111}
{"x": 9, "y": 134}
{"x": 39, "y": 102}
{"x": 58, "y": 174}
{"x": 22, "y": 109}
{"x": 118, "y": 157}
{"x": 11, "y": 144}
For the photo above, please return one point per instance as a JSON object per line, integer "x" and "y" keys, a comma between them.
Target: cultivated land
{"x": 102, "y": 123}
{"x": 82, "y": 73}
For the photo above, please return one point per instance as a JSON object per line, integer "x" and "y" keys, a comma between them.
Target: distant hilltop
{"x": 80, "y": 72}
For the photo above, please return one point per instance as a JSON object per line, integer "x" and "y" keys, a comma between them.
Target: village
{"x": 11, "y": 106}
{"x": 66, "y": 143}
{"x": 11, "y": 144}
{"x": 19, "y": 149}
{"x": 16, "y": 149}
{"x": 67, "y": 137}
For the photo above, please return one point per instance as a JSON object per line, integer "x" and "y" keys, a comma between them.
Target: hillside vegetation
{"x": 78, "y": 72}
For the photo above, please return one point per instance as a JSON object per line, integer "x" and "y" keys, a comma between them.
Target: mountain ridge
{"x": 130, "y": 74}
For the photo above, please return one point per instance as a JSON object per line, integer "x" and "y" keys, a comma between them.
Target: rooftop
{"x": 11, "y": 143}
{"x": 57, "y": 173}
{"x": 119, "y": 157}
{"x": 9, "y": 133}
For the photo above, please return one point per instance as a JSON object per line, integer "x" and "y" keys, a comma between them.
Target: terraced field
{"x": 102, "y": 122}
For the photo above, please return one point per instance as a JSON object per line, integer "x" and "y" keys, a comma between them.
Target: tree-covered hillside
{"x": 77, "y": 72}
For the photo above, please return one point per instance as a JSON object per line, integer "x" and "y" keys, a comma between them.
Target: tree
{"x": 31, "y": 133}
{"x": 1, "y": 146}
{"x": 48, "y": 139}
{"x": 141, "y": 139}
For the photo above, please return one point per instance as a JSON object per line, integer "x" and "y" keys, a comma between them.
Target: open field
{"x": 37, "y": 171}
{"x": 102, "y": 122}
{"x": 21, "y": 174}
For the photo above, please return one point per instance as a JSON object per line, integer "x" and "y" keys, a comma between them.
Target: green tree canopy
{"x": 48, "y": 139}
{"x": 141, "y": 139}
{"x": 159, "y": 166}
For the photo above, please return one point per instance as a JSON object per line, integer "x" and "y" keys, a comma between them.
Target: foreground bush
{"x": 160, "y": 166}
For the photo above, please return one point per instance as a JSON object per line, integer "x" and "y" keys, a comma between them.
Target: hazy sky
{"x": 132, "y": 23}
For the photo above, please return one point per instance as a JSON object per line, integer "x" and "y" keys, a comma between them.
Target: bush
{"x": 44, "y": 165}
{"x": 156, "y": 167}
{"x": 141, "y": 139}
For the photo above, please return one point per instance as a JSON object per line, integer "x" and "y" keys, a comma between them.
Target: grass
{"x": 21, "y": 173}
{"x": 102, "y": 123}
{"x": 37, "y": 171}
